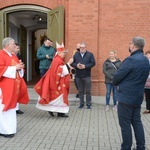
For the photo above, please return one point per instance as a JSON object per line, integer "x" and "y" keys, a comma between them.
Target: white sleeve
{"x": 10, "y": 72}
{"x": 21, "y": 73}
{"x": 64, "y": 71}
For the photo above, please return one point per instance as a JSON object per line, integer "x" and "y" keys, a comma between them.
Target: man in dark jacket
{"x": 45, "y": 54}
{"x": 83, "y": 62}
{"x": 129, "y": 81}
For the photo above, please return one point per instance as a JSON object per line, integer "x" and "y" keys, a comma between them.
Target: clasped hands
{"x": 20, "y": 65}
{"x": 47, "y": 56}
{"x": 80, "y": 66}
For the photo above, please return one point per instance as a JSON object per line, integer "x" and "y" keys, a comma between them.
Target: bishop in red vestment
{"x": 53, "y": 87}
{"x": 13, "y": 88}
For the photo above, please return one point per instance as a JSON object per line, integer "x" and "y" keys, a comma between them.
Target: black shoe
{"x": 88, "y": 106}
{"x": 51, "y": 113}
{"x": 7, "y": 135}
{"x": 62, "y": 115}
{"x": 77, "y": 96}
{"x": 19, "y": 111}
{"x": 81, "y": 106}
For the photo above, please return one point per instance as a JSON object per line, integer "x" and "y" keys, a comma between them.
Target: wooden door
{"x": 55, "y": 24}
{"x": 23, "y": 46}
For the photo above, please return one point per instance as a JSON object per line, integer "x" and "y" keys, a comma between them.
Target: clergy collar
{"x": 8, "y": 53}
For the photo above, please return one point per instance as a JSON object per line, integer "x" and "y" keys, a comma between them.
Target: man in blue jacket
{"x": 129, "y": 81}
{"x": 83, "y": 62}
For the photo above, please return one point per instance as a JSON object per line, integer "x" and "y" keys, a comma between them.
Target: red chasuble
{"x": 53, "y": 83}
{"x": 12, "y": 90}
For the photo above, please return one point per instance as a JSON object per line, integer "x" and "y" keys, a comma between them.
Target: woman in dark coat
{"x": 109, "y": 68}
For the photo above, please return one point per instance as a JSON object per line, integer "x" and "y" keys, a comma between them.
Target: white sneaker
{"x": 107, "y": 108}
{"x": 115, "y": 108}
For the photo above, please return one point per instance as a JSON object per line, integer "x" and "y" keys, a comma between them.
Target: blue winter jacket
{"x": 131, "y": 78}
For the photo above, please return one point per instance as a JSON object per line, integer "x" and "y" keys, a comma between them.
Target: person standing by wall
{"x": 11, "y": 73}
{"x": 83, "y": 61}
{"x": 147, "y": 88}
{"x": 130, "y": 80}
{"x": 110, "y": 66}
{"x": 45, "y": 54}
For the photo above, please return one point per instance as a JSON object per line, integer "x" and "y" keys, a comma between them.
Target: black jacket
{"x": 88, "y": 60}
{"x": 130, "y": 78}
{"x": 110, "y": 68}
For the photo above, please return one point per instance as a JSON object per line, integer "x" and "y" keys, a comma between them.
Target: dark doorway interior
{"x": 32, "y": 21}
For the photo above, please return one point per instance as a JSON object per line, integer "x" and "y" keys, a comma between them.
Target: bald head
{"x": 78, "y": 45}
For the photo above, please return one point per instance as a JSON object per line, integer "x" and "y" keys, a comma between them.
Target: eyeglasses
{"x": 82, "y": 47}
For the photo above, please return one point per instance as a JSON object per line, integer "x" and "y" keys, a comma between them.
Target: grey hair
{"x": 139, "y": 42}
{"x": 113, "y": 51}
{"x": 6, "y": 41}
{"x": 83, "y": 43}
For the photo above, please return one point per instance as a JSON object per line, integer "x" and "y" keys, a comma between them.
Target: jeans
{"x": 84, "y": 85}
{"x": 109, "y": 88}
{"x": 129, "y": 115}
{"x": 42, "y": 72}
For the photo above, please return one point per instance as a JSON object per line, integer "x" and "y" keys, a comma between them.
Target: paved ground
{"x": 84, "y": 129}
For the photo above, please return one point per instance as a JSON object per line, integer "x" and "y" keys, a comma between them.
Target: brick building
{"x": 103, "y": 24}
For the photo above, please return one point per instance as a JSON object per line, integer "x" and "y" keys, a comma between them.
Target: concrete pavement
{"x": 85, "y": 129}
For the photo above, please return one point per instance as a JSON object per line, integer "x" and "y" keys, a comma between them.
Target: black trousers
{"x": 130, "y": 117}
{"x": 147, "y": 97}
{"x": 84, "y": 86}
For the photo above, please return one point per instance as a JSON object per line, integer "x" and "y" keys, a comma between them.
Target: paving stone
{"x": 83, "y": 130}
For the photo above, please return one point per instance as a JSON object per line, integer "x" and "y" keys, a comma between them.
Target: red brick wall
{"x": 44, "y": 3}
{"x": 82, "y": 26}
{"x": 119, "y": 21}
{"x": 103, "y": 24}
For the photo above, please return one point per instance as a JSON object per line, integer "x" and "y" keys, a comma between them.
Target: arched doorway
{"x": 23, "y": 21}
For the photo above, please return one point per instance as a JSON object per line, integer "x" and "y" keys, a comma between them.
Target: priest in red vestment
{"x": 13, "y": 88}
{"x": 53, "y": 87}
